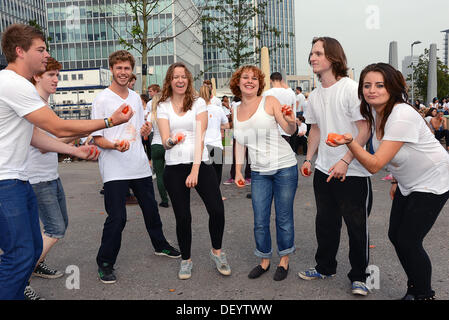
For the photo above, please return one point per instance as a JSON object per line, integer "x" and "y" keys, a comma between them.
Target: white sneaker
{"x": 185, "y": 271}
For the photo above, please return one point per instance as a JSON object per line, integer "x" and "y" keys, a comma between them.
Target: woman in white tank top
{"x": 274, "y": 173}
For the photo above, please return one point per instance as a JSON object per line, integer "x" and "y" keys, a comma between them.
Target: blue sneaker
{"x": 312, "y": 274}
{"x": 360, "y": 288}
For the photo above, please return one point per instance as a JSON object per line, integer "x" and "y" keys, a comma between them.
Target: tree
{"x": 421, "y": 74}
{"x": 237, "y": 27}
{"x": 145, "y": 11}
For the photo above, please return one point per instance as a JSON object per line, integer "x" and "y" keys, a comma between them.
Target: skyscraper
{"x": 21, "y": 11}
{"x": 281, "y": 15}
{"x": 84, "y": 34}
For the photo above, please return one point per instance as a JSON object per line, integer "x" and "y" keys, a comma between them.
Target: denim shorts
{"x": 52, "y": 207}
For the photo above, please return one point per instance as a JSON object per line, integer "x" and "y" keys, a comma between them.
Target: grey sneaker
{"x": 221, "y": 263}
{"x": 185, "y": 271}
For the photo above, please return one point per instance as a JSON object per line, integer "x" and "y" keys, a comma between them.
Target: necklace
{"x": 45, "y": 100}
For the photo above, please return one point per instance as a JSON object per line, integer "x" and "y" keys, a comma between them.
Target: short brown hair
{"x": 335, "y": 54}
{"x": 52, "y": 64}
{"x": 121, "y": 55}
{"x": 133, "y": 77}
{"x": 207, "y": 82}
{"x": 19, "y": 35}
{"x": 234, "y": 84}
{"x": 154, "y": 87}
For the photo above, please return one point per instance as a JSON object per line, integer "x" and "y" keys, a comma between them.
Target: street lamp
{"x": 413, "y": 71}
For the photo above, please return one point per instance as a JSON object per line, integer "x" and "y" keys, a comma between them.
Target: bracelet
{"x": 110, "y": 122}
{"x": 344, "y": 161}
{"x": 169, "y": 143}
{"x": 307, "y": 161}
{"x": 394, "y": 182}
{"x": 352, "y": 139}
{"x": 106, "y": 122}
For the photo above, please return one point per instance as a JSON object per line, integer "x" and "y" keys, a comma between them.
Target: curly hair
{"x": 167, "y": 92}
{"x": 121, "y": 55}
{"x": 235, "y": 80}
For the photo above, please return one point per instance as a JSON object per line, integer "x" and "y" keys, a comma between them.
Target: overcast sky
{"x": 365, "y": 28}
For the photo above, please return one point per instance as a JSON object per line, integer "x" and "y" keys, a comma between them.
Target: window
{"x": 73, "y": 76}
{"x": 65, "y": 77}
{"x": 80, "y": 76}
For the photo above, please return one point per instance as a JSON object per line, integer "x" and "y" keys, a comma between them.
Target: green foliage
{"x": 421, "y": 74}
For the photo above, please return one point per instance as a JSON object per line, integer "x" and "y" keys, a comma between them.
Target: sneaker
{"x": 30, "y": 294}
{"x": 359, "y": 288}
{"x": 248, "y": 182}
{"x": 185, "y": 271}
{"x": 312, "y": 274}
{"x": 221, "y": 263}
{"x": 106, "y": 273}
{"x": 229, "y": 181}
{"x": 44, "y": 271}
{"x": 169, "y": 251}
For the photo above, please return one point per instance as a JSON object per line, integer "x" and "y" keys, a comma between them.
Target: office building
{"x": 84, "y": 33}
{"x": 21, "y": 11}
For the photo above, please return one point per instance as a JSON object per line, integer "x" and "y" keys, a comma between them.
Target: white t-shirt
{"x": 42, "y": 167}
{"x": 182, "y": 152}
{"x": 421, "y": 164}
{"x": 302, "y": 128}
{"x": 215, "y": 101}
{"x": 215, "y": 118}
{"x": 116, "y": 165}
{"x": 156, "y": 134}
{"x": 18, "y": 97}
{"x": 300, "y": 98}
{"x": 284, "y": 96}
{"x": 335, "y": 109}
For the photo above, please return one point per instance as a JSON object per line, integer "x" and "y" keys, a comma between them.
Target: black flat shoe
{"x": 257, "y": 272}
{"x": 280, "y": 273}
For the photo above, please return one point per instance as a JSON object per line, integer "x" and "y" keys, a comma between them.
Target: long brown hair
{"x": 394, "y": 84}
{"x": 335, "y": 54}
{"x": 167, "y": 92}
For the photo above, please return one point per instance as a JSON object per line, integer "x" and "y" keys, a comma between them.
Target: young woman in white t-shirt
{"x": 181, "y": 112}
{"x": 274, "y": 171}
{"x": 417, "y": 161}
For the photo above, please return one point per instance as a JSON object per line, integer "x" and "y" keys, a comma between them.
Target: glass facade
{"x": 281, "y": 15}
{"x": 21, "y": 11}
{"x": 84, "y": 33}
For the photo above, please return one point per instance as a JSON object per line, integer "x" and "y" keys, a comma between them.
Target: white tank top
{"x": 267, "y": 150}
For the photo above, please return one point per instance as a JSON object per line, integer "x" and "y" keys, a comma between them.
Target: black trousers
{"x": 174, "y": 179}
{"x": 412, "y": 217}
{"x": 350, "y": 201}
{"x": 115, "y": 205}
{"x": 216, "y": 160}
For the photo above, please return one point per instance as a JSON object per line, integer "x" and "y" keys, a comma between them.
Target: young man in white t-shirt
{"x": 342, "y": 186}
{"x": 22, "y": 111}
{"x": 123, "y": 165}
{"x": 300, "y": 99}
{"x": 285, "y": 96}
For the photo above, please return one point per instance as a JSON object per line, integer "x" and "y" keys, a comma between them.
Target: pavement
{"x": 144, "y": 276}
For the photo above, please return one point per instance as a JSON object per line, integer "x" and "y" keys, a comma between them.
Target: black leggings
{"x": 411, "y": 219}
{"x": 174, "y": 179}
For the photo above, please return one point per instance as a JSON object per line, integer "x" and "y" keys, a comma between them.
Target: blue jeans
{"x": 280, "y": 185}
{"x": 52, "y": 207}
{"x": 20, "y": 237}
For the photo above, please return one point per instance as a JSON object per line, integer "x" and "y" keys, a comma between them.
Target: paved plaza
{"x": 143, "y": 275}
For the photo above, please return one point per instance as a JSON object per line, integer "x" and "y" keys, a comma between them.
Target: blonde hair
{"x": 205, "y": 93}
{"x": 154, "y": 104}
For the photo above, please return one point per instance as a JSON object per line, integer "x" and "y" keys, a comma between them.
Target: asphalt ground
{"x": 141, "y": 275}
